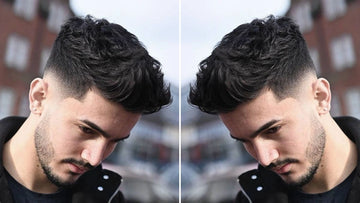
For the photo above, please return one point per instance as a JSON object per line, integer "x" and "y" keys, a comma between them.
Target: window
{"x": 17, "y": 51}
{"x": 314, "y": 54}
{"x": 7, "y": 100}
{"x": 342, "y": 52}
{"x": 45, "y": 53}
{"x": 334, "y": 8}
{"x": 58, "y": 13}
{"x": 302, "y": 16}
{"x": 353, "y": 102}
{"x": 25, "y": 8}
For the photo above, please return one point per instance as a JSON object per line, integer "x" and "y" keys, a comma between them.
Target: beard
{"x": 45, "y": 153}
{"x": 314, "y": 153}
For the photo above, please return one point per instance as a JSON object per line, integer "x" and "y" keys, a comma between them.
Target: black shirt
{"x": 21, "y": 194}
{"x": 336, "y": 195}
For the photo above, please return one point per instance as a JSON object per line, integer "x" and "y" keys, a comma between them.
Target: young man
{"x": 98, "y": 81}
{"x": 262, "y": 83}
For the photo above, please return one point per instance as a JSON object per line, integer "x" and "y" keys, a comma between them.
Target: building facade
{"x": 331, "y": 29}
{"x": 28, "y": 29}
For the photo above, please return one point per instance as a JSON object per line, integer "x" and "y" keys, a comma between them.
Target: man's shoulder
{"x": 347, "y": 121}
{"x": 9, "y": 126}
{"x": 98, "y": 185}
{"x": 350, "y": 126}
{"x": 12, "y": 120}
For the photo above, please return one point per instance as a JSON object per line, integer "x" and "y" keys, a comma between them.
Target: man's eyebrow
{"x": 96, "y": 127}
{"x": 264, "y": 127}
{"x": 259, "y": 130}
{"x": 101, "y": 131}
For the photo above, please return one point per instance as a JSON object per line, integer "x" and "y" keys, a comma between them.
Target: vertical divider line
{"x": 179, "y": 69}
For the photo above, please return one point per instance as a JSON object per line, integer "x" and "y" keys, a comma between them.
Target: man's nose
{"x": 94, "y": 152}
{"x": 265, "y": 152}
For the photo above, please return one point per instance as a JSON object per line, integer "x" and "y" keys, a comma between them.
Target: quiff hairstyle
{"x": 266, "y": 53}
{"x": 93, "y": 53}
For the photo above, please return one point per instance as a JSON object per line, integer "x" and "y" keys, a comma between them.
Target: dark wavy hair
{"x": 91, "y": 52}
{"x": 266, "y": 53}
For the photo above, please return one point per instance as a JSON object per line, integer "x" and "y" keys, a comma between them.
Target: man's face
{"x": 285, "y": 136}
{"x": 74, "y": 136}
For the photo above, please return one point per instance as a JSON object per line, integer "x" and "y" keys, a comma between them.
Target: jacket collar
{"x": 8, "y": 127}
{"x": 351, "y": 127}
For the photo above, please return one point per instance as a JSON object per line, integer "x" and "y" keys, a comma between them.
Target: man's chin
{"x": 63, "y": 181}
{"x": 296, "y": 182}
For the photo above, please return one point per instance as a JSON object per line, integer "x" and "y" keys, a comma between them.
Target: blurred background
{"x": 179, "y": 34}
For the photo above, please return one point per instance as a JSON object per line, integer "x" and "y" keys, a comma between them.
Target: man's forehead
{"x": 266, "y": 108}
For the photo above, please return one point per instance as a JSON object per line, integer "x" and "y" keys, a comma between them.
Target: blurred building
{"x": 148, "y": 160}
{"x": 28, "y": 29}
{"x": 332, "y": 31}
{"x": 210, "y": 160}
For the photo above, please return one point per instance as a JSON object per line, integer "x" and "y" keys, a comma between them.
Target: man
{"x": 97, "y": 82}
{"x": 262, "y": 83}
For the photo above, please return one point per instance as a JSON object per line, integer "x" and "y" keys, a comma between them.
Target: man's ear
{"x": 37, "y": 95}
{"x": 322, "y": 95}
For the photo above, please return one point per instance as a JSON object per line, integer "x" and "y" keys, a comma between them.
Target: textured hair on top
{"x": 91, "y": 52}
{"x": 266, "y": 53}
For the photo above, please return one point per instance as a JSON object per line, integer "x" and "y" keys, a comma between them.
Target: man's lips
{"x": 77, "y": 169}
{"x": 76, "y": 166}
{"x": 282, "y": 169}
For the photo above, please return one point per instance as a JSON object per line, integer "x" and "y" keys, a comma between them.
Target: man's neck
{"x": 338, "y": 161}
{"x": 21, "y": 161}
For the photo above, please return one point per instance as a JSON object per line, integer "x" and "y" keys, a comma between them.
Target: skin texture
{"x": 64, "y": 137}
{"x": 295, "y": 136}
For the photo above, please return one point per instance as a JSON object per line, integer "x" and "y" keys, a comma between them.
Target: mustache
{"x": 78, "y": 163}
{"x": 281, "y": 163}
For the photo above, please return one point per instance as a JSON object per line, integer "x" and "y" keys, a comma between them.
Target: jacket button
{"x": 259, "y": 188}
{"x": 100, "y": 188}
{"x": 253, "y": 177}
{"x": 106, "y": 177}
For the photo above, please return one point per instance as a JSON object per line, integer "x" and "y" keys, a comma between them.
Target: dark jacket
{"x": 265, "y": 186}
{"x": 91, "y": 187}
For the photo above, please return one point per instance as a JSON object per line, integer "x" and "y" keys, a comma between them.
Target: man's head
{"x": 98, "y": 81}
{"x": 91, "y": 53}
{"x": 262, "y": 83}
{"x": 264, "y": 54}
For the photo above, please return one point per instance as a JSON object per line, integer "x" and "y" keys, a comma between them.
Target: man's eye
{"x": 273, "y": 130}
{"x": 86, "y": 130}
